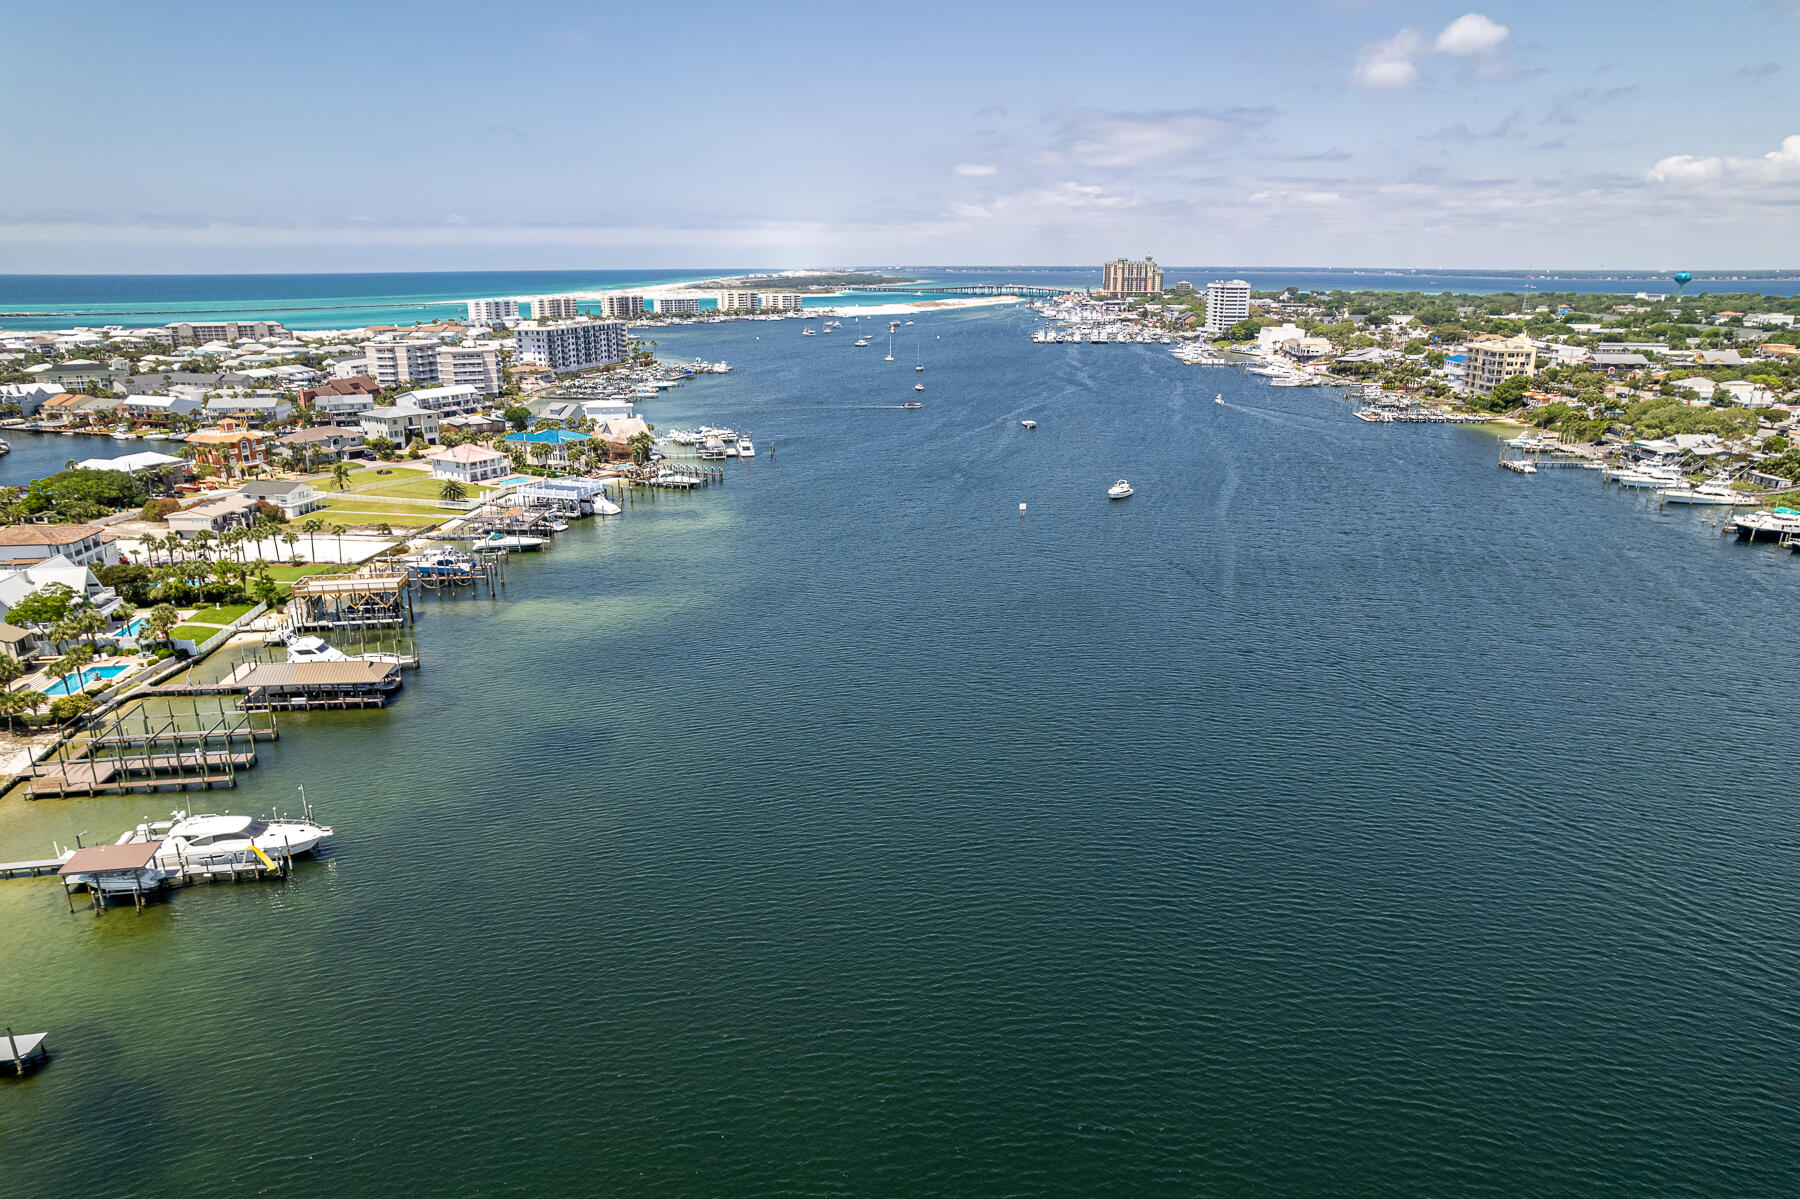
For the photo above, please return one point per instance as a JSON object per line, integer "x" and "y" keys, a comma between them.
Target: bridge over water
{"x": 971, "y": 289}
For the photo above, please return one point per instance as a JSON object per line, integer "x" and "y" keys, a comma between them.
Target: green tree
{"x": 161, "y": 621}
{"x": 452, "y": 492}
{"x": 641, "y": 444}
{"x": 11, "y": 669}
{"x": 49, "y": 605}
{"x": 24, "y": 700}
{"x": 340, "y": 474}
{"x": 70, "y": 707}
{"x": 311, "y": 529}
{"x": 518, "y": 416}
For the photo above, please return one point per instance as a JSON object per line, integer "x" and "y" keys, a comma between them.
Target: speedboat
{"x": 1119, "y": 490}
{"x": 1715, "y": 492}
{"x": 511, "y": 541}
{"x": 746, "y": 448}
{"x": 909, "y": 322}
{"x": 809, "y": 332}
{"x": 912, "y": 404}
{"x": 443, "y": 562}
{"x": 861, "y": 342}
{"x": 1029, "y": 424}
{"x": 918, "y": 387}
{"x": 210, "y": 839}
{"x": 316, "y": 649}
{"x": 1219, "y": 399}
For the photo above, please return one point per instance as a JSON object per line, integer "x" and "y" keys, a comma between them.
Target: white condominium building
{"x": 473, "y": 364}
{"x": 199, "y": 333}
{"x": 622, "y": 306}
{"x": 554, "y": 308}
{"x": 1227, "y": 303}
{"x": 402, "y": 360}
{"x": 689, "y": 304}
{"x": 570, "y": 345}
{"x": 780, "y": 301}
{"x": 493, "y": 312}
{"x": 758, "y": 301}
{"x": 737, "y": 301}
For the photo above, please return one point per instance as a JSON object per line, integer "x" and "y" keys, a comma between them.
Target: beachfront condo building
{"x": 472, "y": 364}
{"x": 554, "y": 308}
{"x": 1132, "y": 277}
{"x": 622, "y": 306}
{"x": 780, "y": 301}
{"x": 493, "y": 312}
{"x": 401, "y": 360}
{"x": 737, "y": 301}
{"x": 1227, "y": 303}
{"x": 570, "y": 345}
{"x": 199, "y": 333}
{"x": 687, "y": 304}
{"x": 1493, "y": 360}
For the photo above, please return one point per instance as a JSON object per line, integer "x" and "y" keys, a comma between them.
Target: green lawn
{"x": 292, "y": 574}
{"x": 403, "y": 518}
{"x": 220, "y": 615}
{"x": 193, "y": 632}
{"x": 420, "y": 489}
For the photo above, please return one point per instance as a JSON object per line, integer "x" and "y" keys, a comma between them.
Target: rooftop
{"x": 46, "y": 534}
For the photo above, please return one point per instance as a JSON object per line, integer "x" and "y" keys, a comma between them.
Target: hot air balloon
{"x": 1682, "y": 279}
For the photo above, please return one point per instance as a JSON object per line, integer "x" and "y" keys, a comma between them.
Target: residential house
{"x": 445, "y": 401}
{"x": 400, "y": 424}
{"x": 162, "y": 411}
{"x": 473, "y": 425}
{"x": 325, "y": 443}
{"x": 19, "y": 581}
{"x": 547, "y": 443}
{"x": 82, "y": 544}
{"x": 295, "y": 497}
{"x": 470, "y": 464}
{"x": 231, "y": 448}
{"x": 233, "y": 510}
{"x": 352, "y": 385}
{"x": 342, "y": 409}
{"x": 256, "y": 411}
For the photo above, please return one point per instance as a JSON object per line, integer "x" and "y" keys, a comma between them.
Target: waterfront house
{"x": 28, "y": 396}
{"x": 552, "y": 444}
{"x": 17, "y": 582}
{"x": 158, "y": 410}
{"x": 474, "y": 424}
{"x": 230, "y": 448}
{"x": 327, "y": 443}
{"x": 400, "y": 424}
{"x": 82, "y": 544}
{"x": 233, "y": 510}
{"x": 470, "y": 464}
{"x": 256, "y": 411}
{"x": 342, "y": 409}
{"x": 295, "y": 497}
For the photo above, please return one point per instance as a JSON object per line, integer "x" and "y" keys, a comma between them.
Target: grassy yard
{"x": 193, "y": 632}
{"x": 364, "y": 517}
{"x": 221, "y": 615}
{"x": 402, "y": 482}
{"x": 293, "y": 574}
{"x": 420, "y": 489}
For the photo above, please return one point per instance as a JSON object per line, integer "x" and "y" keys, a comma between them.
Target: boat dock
{"x": 300, "y": 686}
{"x": 25, "y": 1051}
{"x": 198, "y": 771}
{"x": 30, "y": 869}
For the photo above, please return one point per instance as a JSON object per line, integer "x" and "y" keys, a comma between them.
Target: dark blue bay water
{"x": 1341, "y": 815}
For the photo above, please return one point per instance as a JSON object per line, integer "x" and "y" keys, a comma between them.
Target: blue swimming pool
{"x": 134, "y": 629}
{"x": 72, "y": 682}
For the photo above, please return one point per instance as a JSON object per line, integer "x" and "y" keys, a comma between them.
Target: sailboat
{"x": 890, "y": 356}
{"x": 921, "y": 365}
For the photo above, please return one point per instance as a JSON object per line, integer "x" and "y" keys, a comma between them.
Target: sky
{"x": 211, "y": 137}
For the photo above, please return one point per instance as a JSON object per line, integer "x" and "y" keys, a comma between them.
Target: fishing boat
{"x": 1118, "y": 491}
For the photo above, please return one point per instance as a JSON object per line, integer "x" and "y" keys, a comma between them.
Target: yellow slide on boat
{"x": 266, "y": 859}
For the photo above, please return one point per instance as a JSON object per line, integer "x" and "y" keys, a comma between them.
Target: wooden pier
{"x": 199, "y": 771}
{"x": 171, "y": 752}
{"x": 360, "y": 601}
{"x": 30, "y": 869}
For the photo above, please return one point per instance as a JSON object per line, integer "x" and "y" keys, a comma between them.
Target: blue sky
{"x": 397, "y": 136}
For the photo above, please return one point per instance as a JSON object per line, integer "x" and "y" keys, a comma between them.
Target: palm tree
{"x": 87, "y": 623}
{"x": 10, "y": 669}
{"x": 338, "y": 532}
{"x": 25, "y": 700}
{"x": 452, "y": 492}
{"x": 309, "y": 528}
{"x": 340, "y": 474}
{"x": 204, "y": 538}
{"x": 292, "y": 540}
{"x": 162, "y": 619}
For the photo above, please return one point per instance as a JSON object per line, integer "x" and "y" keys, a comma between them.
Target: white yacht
{"x": 204, "y": 840}
{"x": 1029, "y": 424}
{"x": 1717, "y": 492}
{"x": 1119, "y": 490}
{"x": 746, "y": 448}
{"x": 316, "y": 649}
{"x": 861, "y": 342}
{"x": 1219, "y": 398}
{"x": 918, "y": 387}
{"x": 810, "y": 332}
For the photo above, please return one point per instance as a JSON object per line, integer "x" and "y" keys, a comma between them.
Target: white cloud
{"x": 1096, "y": 138}
{"x": 1777, "y": 166}
{"x": 1388, "y": 66}
{"x": 1469, "y": 34}
{"x": 976, "y": 169}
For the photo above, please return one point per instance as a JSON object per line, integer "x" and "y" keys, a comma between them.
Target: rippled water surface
{"x": 1340, "y": 815}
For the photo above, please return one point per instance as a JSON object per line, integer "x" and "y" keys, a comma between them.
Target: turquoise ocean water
{"x": 1340, "y": 815}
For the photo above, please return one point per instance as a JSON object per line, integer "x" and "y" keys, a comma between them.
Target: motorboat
{"x": 434, "y": 563}
{"x": 890, "y": 353}
{"x": 316, "y": 649}
{"x": 746, "y": 448}
{"x": 1219, "y": 398}
{"x": 810, "y": 332}
{"x": 1028, "y": 424}
{"x": 918, "y": 387}
{"x": 1658, "y": 477}
{"x": 861, "y": 341}
{"x": 1716, "y": 493}
{"x": 1118, "y": 491}
{"x": 511, "y": 541}
{"x": 912, "y": 404}
{"x": 605, "y": 507}
{"x": 909, "y": 322}
{"x": 214, "y": 839}
{"x": 921, "y": 362}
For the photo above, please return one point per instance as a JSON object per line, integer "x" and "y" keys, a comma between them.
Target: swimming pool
{"x": 134, "y": 629}
{"x": 72, "y": 682}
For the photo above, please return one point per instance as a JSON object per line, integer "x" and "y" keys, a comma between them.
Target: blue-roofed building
{"x": 548, "y": 443}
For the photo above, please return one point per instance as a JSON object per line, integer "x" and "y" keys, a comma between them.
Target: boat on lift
{"x": 213, "y": 839}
